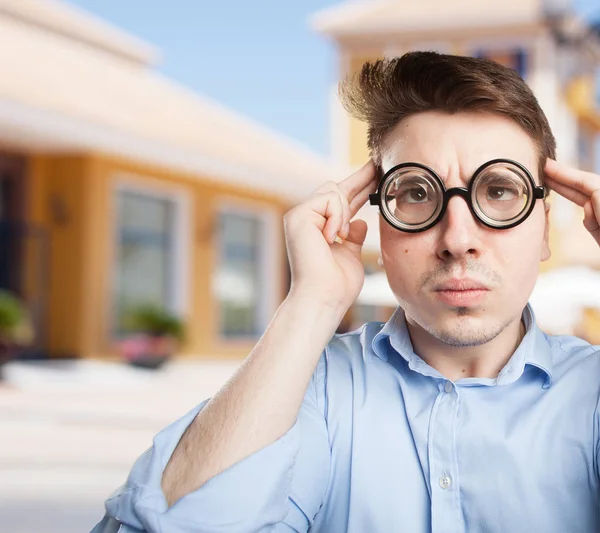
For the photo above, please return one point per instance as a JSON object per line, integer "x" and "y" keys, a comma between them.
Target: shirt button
{"x": 445, "y": 482}
{"x": 448, "y": 388}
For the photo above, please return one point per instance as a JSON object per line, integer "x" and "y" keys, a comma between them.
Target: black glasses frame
{"x": 539, "y": 192}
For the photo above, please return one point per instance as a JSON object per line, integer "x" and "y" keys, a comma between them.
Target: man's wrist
{"x": 325, "y": 309}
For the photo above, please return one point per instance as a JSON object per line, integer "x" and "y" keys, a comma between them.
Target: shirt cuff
{"x": 249, "y": 496}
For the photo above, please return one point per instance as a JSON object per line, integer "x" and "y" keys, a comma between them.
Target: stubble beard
{"x": 464, "y": 333}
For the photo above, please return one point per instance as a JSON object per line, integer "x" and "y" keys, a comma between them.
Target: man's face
{"x": 431, "y": 272}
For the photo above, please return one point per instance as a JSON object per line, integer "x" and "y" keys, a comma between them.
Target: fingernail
{"x": 347, "y": 229}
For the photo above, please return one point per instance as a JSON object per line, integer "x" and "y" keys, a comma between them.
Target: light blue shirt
{"x": 384, "y": 443}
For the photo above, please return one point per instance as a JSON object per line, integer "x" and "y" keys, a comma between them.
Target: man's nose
{"x": 460, "y": 233}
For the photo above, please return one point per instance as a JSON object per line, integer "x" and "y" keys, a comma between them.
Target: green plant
{"x": 15, "y": 323}
{"x": 154, "y": 320}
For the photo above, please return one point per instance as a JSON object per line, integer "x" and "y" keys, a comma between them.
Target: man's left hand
{"x": 582, "y": 188}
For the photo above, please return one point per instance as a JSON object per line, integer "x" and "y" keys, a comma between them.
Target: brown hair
{"x": 385, "y": 91}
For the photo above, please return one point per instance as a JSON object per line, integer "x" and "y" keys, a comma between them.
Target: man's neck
{"x": 456, "y": 362}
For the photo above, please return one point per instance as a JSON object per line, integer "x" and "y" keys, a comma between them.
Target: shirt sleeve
{"x": 279, "y": 488}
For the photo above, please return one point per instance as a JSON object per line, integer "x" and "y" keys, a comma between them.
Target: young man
{"x": 459, "y": 414}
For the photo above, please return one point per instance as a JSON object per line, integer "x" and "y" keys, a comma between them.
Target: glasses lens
{"x": 502, "y": 194}
{"x": 412, "y": 197}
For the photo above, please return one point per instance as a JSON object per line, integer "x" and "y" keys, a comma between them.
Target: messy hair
{"x": 385, "y": 91}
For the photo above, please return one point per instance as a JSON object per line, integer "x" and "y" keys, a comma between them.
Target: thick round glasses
{"x": 413, "y": 198}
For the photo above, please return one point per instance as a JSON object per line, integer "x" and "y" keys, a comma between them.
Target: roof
{"x": 363, "y": 17}
{"x": 80, "y": 26}
{"x": 64, "y": 94}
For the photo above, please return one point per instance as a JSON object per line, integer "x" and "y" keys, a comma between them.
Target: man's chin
{"x": 463, "y": 326}
{"x": 462, "y": 339}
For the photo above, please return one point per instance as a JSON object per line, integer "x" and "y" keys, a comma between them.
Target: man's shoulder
{"x": 357, "y": 339}
{"x": 569, "y": 351}
{"x": 353, "y": 348}
{"x": 569, "y": 345}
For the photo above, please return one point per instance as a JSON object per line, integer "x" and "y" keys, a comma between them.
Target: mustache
{"x": 471, "y": 269}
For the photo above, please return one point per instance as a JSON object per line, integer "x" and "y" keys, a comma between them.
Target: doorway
{"x": 24, "y": 249}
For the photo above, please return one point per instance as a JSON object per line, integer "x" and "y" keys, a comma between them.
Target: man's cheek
{"x": 403, "y": 280}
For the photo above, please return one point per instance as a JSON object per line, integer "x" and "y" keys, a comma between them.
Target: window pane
{"x": 142, "y": 273}
{"x": 144, "y": 269}
{"x": 139, "y": 212}
{"x": 238, "y": 278}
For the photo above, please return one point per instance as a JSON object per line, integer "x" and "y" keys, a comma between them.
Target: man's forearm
{"x": 259, "y": 403}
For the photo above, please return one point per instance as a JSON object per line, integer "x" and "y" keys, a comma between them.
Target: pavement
{"x": 70, "y": 431}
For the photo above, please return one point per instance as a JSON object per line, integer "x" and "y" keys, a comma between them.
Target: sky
{"x": 261, "y": 58}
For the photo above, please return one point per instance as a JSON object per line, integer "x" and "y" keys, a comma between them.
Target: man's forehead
{"x": 455, "y": 148}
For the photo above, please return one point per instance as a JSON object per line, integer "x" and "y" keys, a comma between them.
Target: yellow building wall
{"x": 589, "y": 329}
{"x": 73, "y": 196}
{"x": 59, "y": 201}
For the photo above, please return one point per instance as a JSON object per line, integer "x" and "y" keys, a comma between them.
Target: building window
{"x": 240, "y": 275}
{"x": 144, "y": 259}
{"x": 515, "y": 58}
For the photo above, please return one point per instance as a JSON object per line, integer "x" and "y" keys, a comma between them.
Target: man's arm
{"x": 262, "y": 400}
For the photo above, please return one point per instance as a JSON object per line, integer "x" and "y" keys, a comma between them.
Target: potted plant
{"x": 16, "y": 327}
{"x": 153, "y": 336}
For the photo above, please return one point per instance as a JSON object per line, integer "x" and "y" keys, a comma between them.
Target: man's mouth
{"x": 459, "y": 292}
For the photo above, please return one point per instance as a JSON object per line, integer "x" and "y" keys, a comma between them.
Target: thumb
{"x": 356, "y": 235}
{"x": 590, "y": 220}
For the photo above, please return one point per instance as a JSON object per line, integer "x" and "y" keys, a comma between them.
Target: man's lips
{"x": 464, "y": 284}
{"x": 461, "y": 292}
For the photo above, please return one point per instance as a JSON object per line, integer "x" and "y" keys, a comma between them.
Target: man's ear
{"x": 546, "y": 252}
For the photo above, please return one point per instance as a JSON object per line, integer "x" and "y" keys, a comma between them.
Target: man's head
{"x": 453, "y": 114}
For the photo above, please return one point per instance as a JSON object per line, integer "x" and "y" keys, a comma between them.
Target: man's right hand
{"x": 322, "y": 269}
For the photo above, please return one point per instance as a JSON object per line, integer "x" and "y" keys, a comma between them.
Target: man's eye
{"x": 502, "y": 193}
{"x": 415, "y": 195}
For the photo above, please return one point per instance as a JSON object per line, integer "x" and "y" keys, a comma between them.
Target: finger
{"x": 361, "y": 198}
{"x": 319, "y": 209}
{"x": 345, "y": 229}
{"x": 329, "y": 187}
{"x": 334, "y": 213}
{"x": 356, "y": 236}
{"x": 583, "y": 182}
{"x": 591, "y": 219}
{"x": 358, "y": 232}
{"x": 355, "y": 183}
{"x": 568, "y": 192}
{"x": 326, "y": 187}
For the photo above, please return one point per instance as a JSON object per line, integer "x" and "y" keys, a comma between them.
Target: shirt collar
{"x": 534, "y": 350}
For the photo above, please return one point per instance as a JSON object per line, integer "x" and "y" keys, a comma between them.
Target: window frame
{"x": 270, "y": 264}
{"x": 178, "y": 301}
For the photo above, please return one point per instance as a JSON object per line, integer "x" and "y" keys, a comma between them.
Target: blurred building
{"x": 118, "y": 186}
{"x": 554, "y": 51}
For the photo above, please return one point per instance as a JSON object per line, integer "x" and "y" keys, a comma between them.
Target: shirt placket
{"x": 446, "y": 513}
